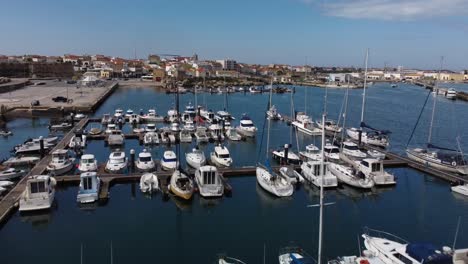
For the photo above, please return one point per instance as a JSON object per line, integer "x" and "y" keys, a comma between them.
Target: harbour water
{"x": 149, "y": 229}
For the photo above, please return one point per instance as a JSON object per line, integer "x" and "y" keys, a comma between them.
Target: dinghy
{"x": 149, "y": 183}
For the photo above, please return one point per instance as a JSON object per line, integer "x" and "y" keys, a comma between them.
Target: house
{"x": 71, "y": 58}
{"x": 228, "y": 65}
{"x": 393, "y": 76}
{"x": 413, "y": 76}
{"x": 452, "y": 77}
{"x": 337, "y": 77}
{"x": 54, "y": 59}
{"x": 158, "y": 75}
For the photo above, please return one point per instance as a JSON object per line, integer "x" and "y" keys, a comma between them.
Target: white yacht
{"x": 232, "y": 134}
{"x": 134, "y": 119}
{"x": 90, "y": 184}
{"x": 216, "y": 132}
{"x": 61, "y": 126}
{"x": 196, "y": 158}
{"x": 311, "y": 172}
{"x": 151, "y": 127}
{"x": 78, "y": 140}
{"x": 201, "y": 135}
{"x": 145, "y": 161}
{"x": 351, "y": 149}
{"x": 149, "y": 183}
{"x": 151, "y": 138}
{"x": 376, "y": 154}
{"x": 371, "y": 138}
{"x": 185, "y": 136}
{"x": 208, "y": 115}
{"x": 304, "y": 124}
{"x": 117, "y": 162}
{"x": 151, "y": 116}
{"x": 190, "y": 110}
{"x": 279, "y": 155}
{"x": 181, "y": 185}
{"x": 330, "y": 125}
{"x": 87, "y": 163}
{"x": 221, "y": 157}
{"x": 451, "y": 94}
{"x": 446, "y": 161}
{"x": 273, "y": 114}
{"x": 273, "y": 183}
{"x": 332, "y": 152}
{"x": 11, "y": 174}
{"x": 31, "y": 148}
{"x": 115, "y": 138}
{"x": 246, "y": 127}
{"x": 39, "y": 193}
{"x": 169, "y": 160}
{"x": 311, "y": 153}
{"x": 373, "y": 169}
{"x": 129, "y": 113}
{"x": 350, "y": 176}
{"x": 175, "y": 127}
{"x": 209, "y": 181}
{"x": 60, "y": 163}
{"x": 172, "y": 115}
{"x": 118, "y": 113}
{"x": 110, "y": 128}
{"x": 21, "y": 160}
{"x": 224, "y": 115}
{"x": 460, "y": 189}
{"x": 291, "y": 175}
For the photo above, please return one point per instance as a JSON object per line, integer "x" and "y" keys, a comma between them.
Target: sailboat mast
{"x": 225, "y": 95}
{"x": 344, "y": 114}
{"x": 292, "y": 116}
{"x": 364, "y": 92}
{"x": 268, "y": 133}
{"x": 322, "y": 173}
{"x": 325, "y": 101}
{"x": 429, "y": 137}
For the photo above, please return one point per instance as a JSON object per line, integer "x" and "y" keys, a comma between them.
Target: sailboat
{"x": 269, "y": 180}
{"x": 374, "y": 137}
{"x": 441, "y": 158}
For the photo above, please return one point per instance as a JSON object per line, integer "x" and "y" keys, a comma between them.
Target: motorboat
{"x": 220, "y": 156}
{"x": 134, "y": 119}
{"x": 118, "y": 113}
{"x": 273, "y": 114}
{"x": 151, "y": 138}
{"x": 208, "y": 115}
{"x": 196, "y": 158}
{"x": 222, "y": 259}
{"x": 291, "y": 175}
{"x": 145, "y": 162}
{"x": 175, "y": 127}
{"x": 351, "y": 149}
{"x": 87, "y": 163}
{"x": 209, "y": 182}
{"x": 451, "y": 94}
{"x": 311, "y": 171}
{"x": 11, "y": 174}
{"x": 49, "y": 140}
{"x": 78, "y": 116}
{"x": 350, "y": 176}
{"x": 61, "y": 126}
{"x": 189, "y": 125}
{"x": 376, "y": 154}
{"x": 246, "y": 127}
{"x": 169, "y": 160}
{"x": 151, "y": 127}
{"x": 95, "y": 131}
{"x": 294, "y": 255}
{"x": 171, "y": 138}
{"x": 60, "y": 163}
{"x": 273, "y": 183}
{"x": 372, "y": 138}
{"x": 39, "y": 193}
{"x": 447, "y": 161}
{"x": 304, "y": 124}
{"x": 311, "y": 152}
{"x": 78, "y": 140}
{"x": 185, "y": 136}
{"x": 138, "y": 130}
{"x": 190, "y": 110}
{"x": 460, "y": 189}
{"x": 129, "y": 113}
{"x": 21, "y": 160}
{"x": 172, "y": 115}
{"x": 330, "y": 125}
{"x": 6, "y": 184}
{"x": 149, "y": 183}
{"x": 164, "y": 138}
{"x": 106, "y": 119}
{"x": 232, "y": 134}
{"x": 116, "y": 138}
{"x": 223, "y": 115}
{"x": 117, "y": 162}
{"x": 373, "y": 169}
{"x": 181, "y": 185}
{"x": 151, "y": 116}
{"x": 90, "y": 185}
{"x": 216, "y": 132}
{"x": 201, "y": 135}
{"x": 292, "y": 158}
{"x": 5, "y": 133}
{"x": 110, "y": 127}
{"x": 254, "y": 89}
{"x": 31, "y": 148}
{"x": 332, "y": 152}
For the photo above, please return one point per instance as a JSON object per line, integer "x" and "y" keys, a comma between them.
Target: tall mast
{"x": 268, "y": 132}
{"x": 344, "y": 113}
{"x": 364, "y": 92}
{"x": 325, "y": 100}
{"x": 292, "y": 116}
{"x": 322, "y": 173}
{"x": 305, "y": 79}
{"x": 225, "y": 95}
{"x": 429, "y": 138}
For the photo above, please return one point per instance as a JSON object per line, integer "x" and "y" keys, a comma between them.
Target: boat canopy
{"x": 376, "y": 131}
{"x": 427, "y": 253}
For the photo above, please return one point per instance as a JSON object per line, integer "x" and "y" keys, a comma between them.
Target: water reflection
{"x": 270, "y": 200}
{"x": 39, "y": 220}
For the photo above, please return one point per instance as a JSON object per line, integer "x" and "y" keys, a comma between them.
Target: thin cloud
{"x": 391, "y": 9}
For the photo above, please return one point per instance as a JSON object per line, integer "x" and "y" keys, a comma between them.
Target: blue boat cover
{"x": 426, "y": 253}
{"x": 442, "y": 148}
{"x": 384, "y": 132}
{"x": 301, "y": 261}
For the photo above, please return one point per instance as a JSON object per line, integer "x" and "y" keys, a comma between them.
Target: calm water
{"x": 419, "y": 208}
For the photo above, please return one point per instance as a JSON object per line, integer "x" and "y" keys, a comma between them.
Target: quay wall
{"x": 28, "y": 70}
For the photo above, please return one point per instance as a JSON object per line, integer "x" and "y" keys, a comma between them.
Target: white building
{"x": 229, "y": 65}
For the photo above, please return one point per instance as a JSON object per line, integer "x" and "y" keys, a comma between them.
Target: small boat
{"x": 145, "y": 162}
{"x": 39, "y": 193}
{"x": 165, "y": 138}
{"x": 451, "y": 94}
{"x": 175, "y": 127}
{"x": 5, "y": 133}
{"x": 181, "y": 185}
{"x": 31, "y": 148}
{"x": 351, "y": 149}
{"x": 171, "y": 138}
{"x": 60, "y": 163}
{"x": 350, "y": 176}
{"x": 79, "y": 116}
{"x": 393, "y": 85}
{"x": 169, "y": 160}
{"x": 222, "y": 259}
{"x": 118, "y": 113}
{"x": 196, "y": 158}
{"x": 221, "y": 157}
{"x": 115, "y": 138}
{"x": 149, "y": 183}
{"x": 304, "y": 124}
{"x": 48, "y": 140}
{"x": 460, "y": 189}
{"x": 117, "y": 162}
{"x": 129, "y": 113}
{"x": 19, "y": 161}
{"x": 371, "y": 138}
{"x": 150, "y": 128}
{"x": 11, "y": 174}
{"x": 106, "y": 119}
{"x": 190, "y": 110}
{"x": 172, "y": 115}
{"x": 209, "y": 182}
{"x": 61, "y": 126}
{"x": 311, "y": 172}
{"x": 447, "y": 161}
{"x": 6, "y": 184}
{"x": 272, "y": 183}
{"x": 232, "y": 134}
{"x": 373, "y": 169}
{"x": 189, "y": 125}
{"x": 151, "y": 138}
{"x": 110, "y": 128}
{"x": 78, "y": 140}
{"x": 216, "y": 132}
{"x": 330, "y": 125}
{"x": 312, "y": 153}
{"x": 246, "y": 127}
{"x": 201, "y": 135}
{"x": 95, "y": 131}
{"x": 291, "y": 175}
{"x": 273, "y": 114}
{"x": 223, "y": 115}
{"x": 87, "y": 163}
{"x": 376, "y": 154}
{"x": 185, "y": 136}
{"x": 138, "y": 130}
{"x": 151, "y": 116}
{"x": 134, "y": 119}
{"x": 90, "y": 185}
{"x": 279, "y": 155}
{"x": 332, "y": 152}
{"x": 208, "y": 115}
{"x": 295, "y": 255}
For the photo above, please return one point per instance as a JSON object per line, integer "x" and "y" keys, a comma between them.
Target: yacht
{"x": 151, "y": 116}
{"x": 11, "y": 174}
{"x": 169, "y": 160}
{"x": 60, "y": 163}
{"x": 201, "y": 135}
{"x": 87, "y": 163}
{"x": 151, "y": 138}
{"x": 134, "y": 119}
{"x": 311, "y": 153}
{"x": 129, "y": 113}
{"x": 21, "y": 160}
{"x": 149, "y": 183}
{"x": 350, "y": 176}
{"x": 351, "y": 149}
{"x": 209, "y": 182}
{"x": 90, "y": 185}
{"x": 372, "y": 138}
{"x": 446, "y": 161}
{"x": 172, "y": 115}
{"x": 190, "y": 110}
{"x": 78, "y": 140}
{"x": 196, "y": 158}
{"x": 5, "y": 133}
{"x": 115, "y": 138}
{"x": 48, "y": 140}
{"x": 279, "y": 155}
{"x": 208, "y": 115}
{"x": 373, "y": 169}
{"x": 451, "y": 94}
{"x": 246, "y": 127}
{"x": 175, "y": 128}
{"x": 61, "y": 126}
{"x": 181, "y": 185}
{"x": 216, "y": 132}
{"x": 273, "y": 114}
{"x": 330, "y": 125}
{"x": 39, "y": 193}
{"x": 150, "y": 128}
{"x": 117, "y": 162}
{"x": 189, "y": 125}
{"x": 224, "y": 115}
{"x": 185, "y": 136}
{"x": 106, "y": 119}
{"x": 145, "y": 162}
{"x": 110, "y": 128}
{"x": 304, "y": 124}
{"x": 118, "y": 113}
{"x": 291, "y": 175}
{"x": 31, "y": 148}
{"x": 332, "y": 152}
{"x": 376, "y": 154}
{"x": 221, "y": 157}
{"x": 311, "y": 172}
{"x": 232, "y": 134}
{"x": 460, "y": 189}
{"x": 273, "y": 183}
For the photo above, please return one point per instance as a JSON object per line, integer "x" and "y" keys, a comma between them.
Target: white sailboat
{"x": 196, "y": 158}
{"x": 350, "y": 176}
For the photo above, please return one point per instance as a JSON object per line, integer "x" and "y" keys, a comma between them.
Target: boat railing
{"x": 382, "y": 234}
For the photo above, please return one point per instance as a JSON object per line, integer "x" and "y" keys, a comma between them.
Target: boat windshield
{"x": 145, "y": 159}
{"x": 351, "y": 147}
{"x": 209, "y": 177}
{"x": 376, "y": 167}
{"x": 87, "y": 161}
{"x": 247, "y": 124}
{"x": 37, "y": 187}
{"x": 87, "y": 183}
{"x": 170, "y": 160}
{"x": 116, "y": 161}
{"x": 332, "y": 150}
{"x": 224, "y": 156}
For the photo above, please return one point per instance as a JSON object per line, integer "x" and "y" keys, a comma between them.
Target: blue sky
{"x": 412, "y": 33}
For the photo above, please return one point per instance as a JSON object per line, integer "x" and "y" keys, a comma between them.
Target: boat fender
{"x": 454, "y": 163}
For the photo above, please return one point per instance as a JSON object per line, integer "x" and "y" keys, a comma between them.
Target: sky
{"x": 410, "y": 33}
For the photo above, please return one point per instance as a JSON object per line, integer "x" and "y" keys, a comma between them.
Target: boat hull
{"x": 437, "y": 165}
{"x": 263, "y": 179}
